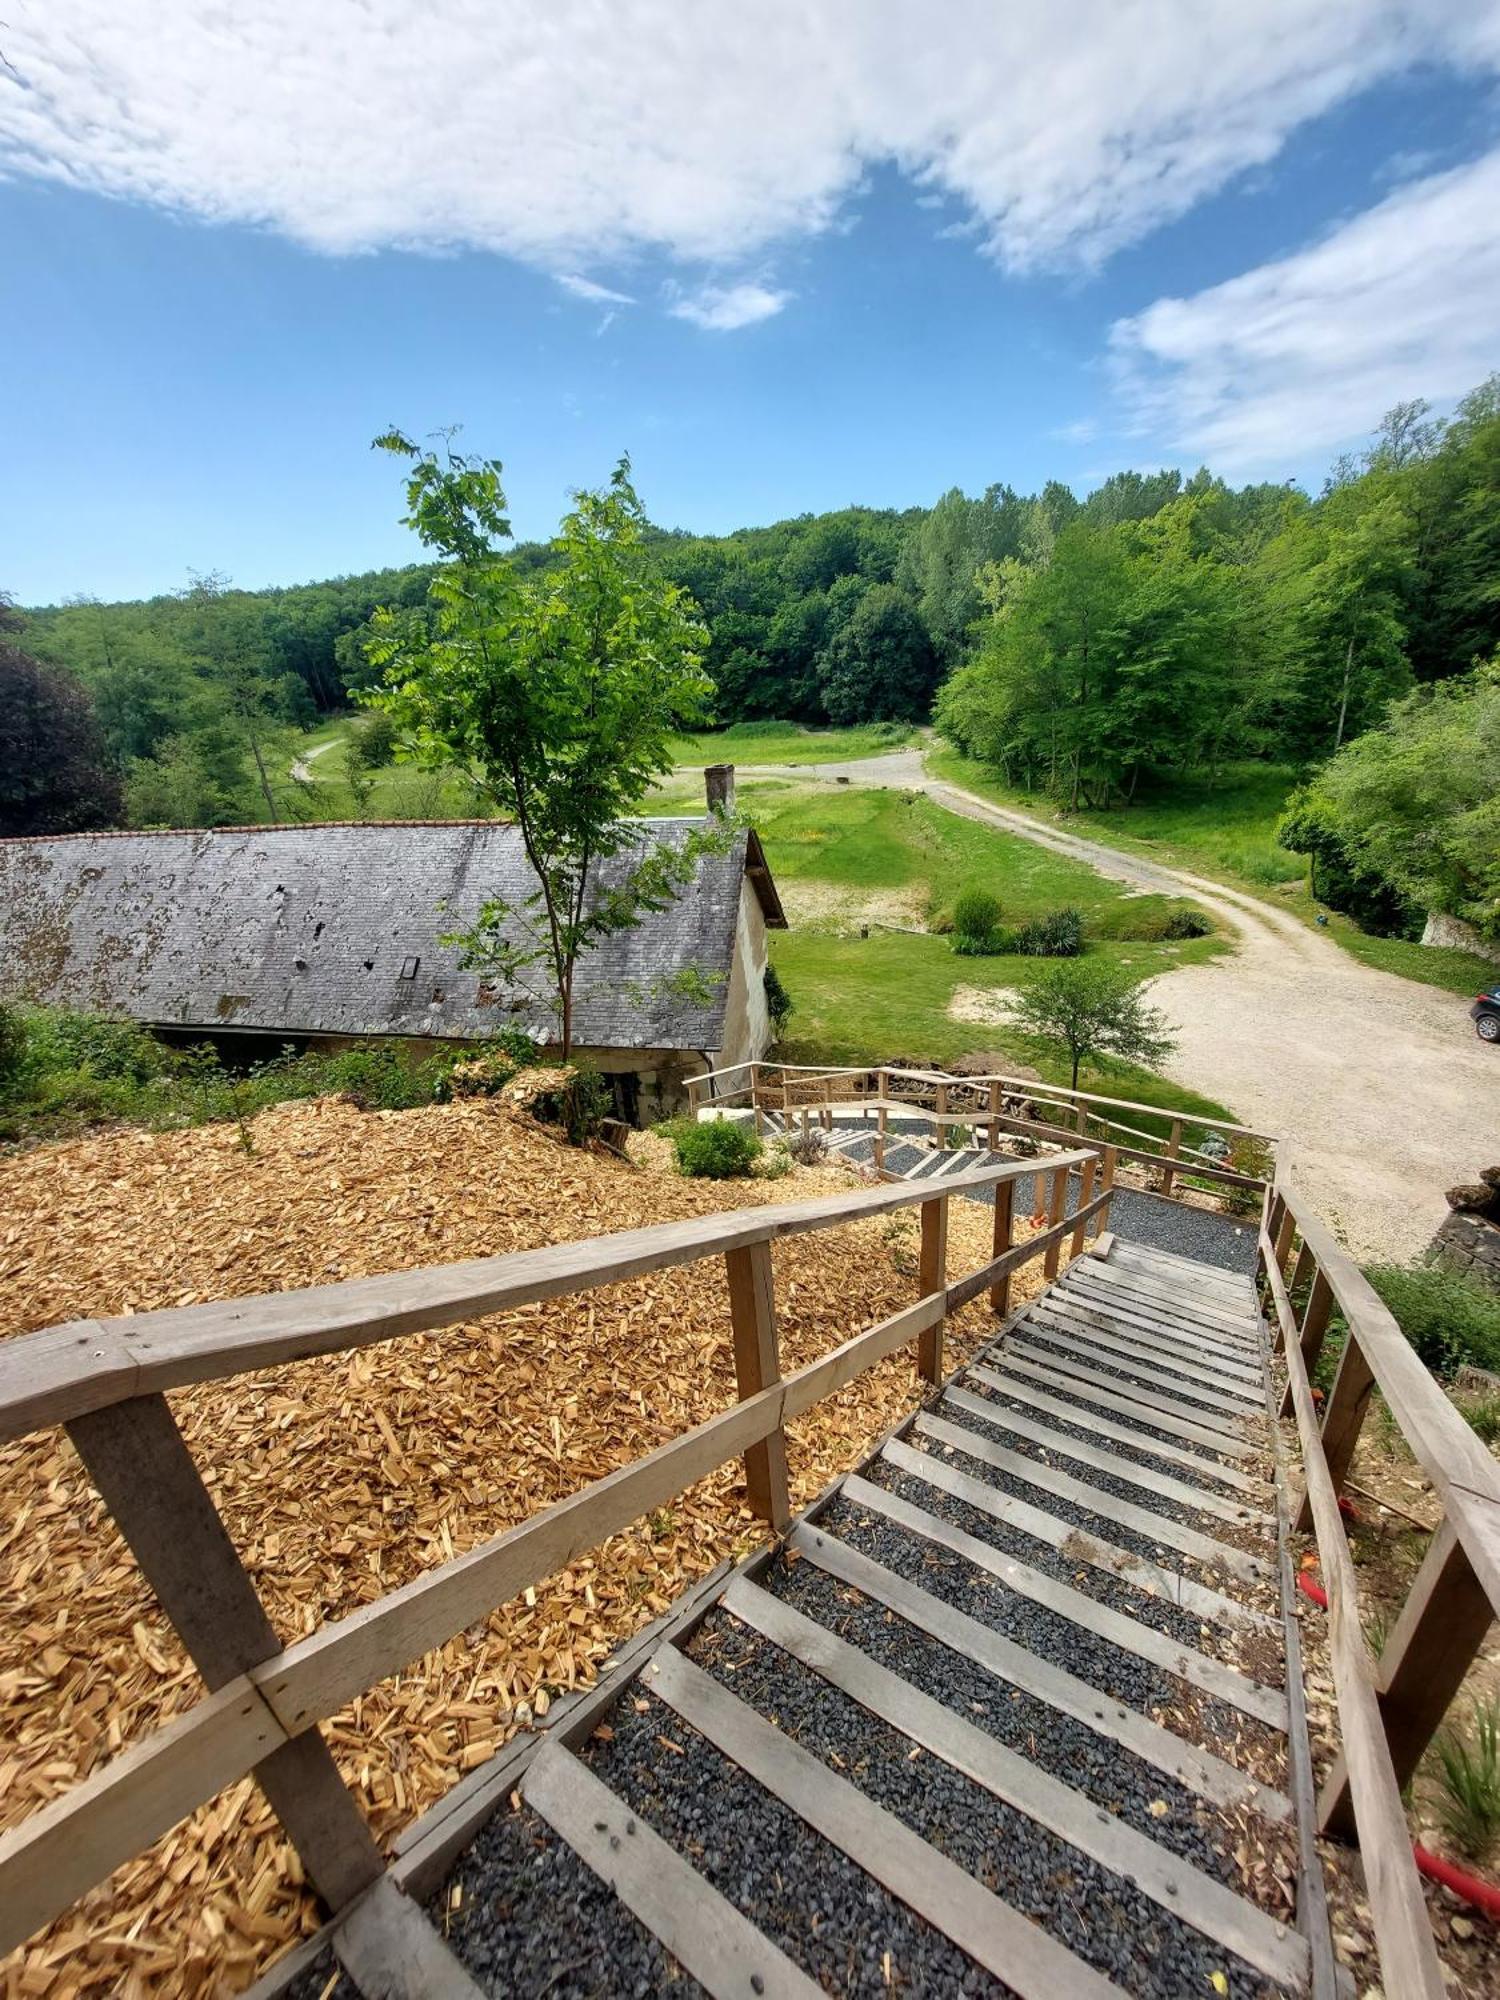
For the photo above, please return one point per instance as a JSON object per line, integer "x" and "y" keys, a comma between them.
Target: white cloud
{"x": 1306, "y": 354}
{"x": 723, "y": 308}
{"x": 598, "y": 295}
{"x": 1082, "y": 430}
{"x": 563, "y": 131}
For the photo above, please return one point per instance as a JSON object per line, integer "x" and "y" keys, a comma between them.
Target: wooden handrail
{"x": 104, "y": 1379}
{"x": 1018, "y": 1085}
{"x": 1389, "y": 1709}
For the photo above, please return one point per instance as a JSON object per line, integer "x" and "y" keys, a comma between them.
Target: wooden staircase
{"x": 1009, "y": 1710}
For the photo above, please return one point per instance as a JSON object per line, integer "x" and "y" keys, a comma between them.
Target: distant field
{"x": 788, "y": 743}
{"x": 892, "y": 861}
{"x": 1228, "y": 832}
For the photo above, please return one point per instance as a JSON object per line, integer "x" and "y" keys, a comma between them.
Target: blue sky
{"x": 847, "y": 268}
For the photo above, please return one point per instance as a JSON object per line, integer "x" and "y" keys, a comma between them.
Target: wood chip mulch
{"x": 341, "y": 1478}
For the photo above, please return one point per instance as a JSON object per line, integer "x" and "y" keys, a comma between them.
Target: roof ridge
{"x": 283, "y": 826}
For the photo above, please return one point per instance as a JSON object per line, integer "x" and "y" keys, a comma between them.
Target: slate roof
{"x": 334, "y": 930}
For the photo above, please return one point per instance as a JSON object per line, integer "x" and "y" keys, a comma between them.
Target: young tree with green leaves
{"x": 1097, "y": 1010}
{"x": 557, "y": 694}
{"x": 56, "y": 774}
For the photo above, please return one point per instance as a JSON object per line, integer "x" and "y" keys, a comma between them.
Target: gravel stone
{"x": 1096, "y": 1913}
{"x": 1135, "y": 1454}
{"x": 1077, "y": 1394}
{"x": 1131, "y": 1680}
{"x": 1040, "y": 1333}
{"x": 313, "y": 1983}
{"x": 1104, "y": 1482}
{"x": 825, "y": 1913}
{"x": 1107, "y": 1773}
{"x": 1101, "y": 1585}
{"x": 535, "y": 1920}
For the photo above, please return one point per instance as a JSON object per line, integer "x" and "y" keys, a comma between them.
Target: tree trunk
{"x": 265, "y": 782}
{"x": 1338, "y": 734}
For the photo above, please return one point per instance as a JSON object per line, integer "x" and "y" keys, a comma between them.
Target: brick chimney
{"x": 718, "y": 780}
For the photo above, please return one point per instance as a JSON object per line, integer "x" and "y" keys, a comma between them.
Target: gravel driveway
{"x": 1380, "y": 1085}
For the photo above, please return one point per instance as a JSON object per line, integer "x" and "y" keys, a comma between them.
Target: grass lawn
{"x": 892, "y": 861}
{"x": 788, "y": 743}
{"x": 1227, "y": 832}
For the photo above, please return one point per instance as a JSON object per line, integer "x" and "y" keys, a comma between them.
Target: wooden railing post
{"x": 1342, "y": 1420}
{"x": 146, "y": 1477}
{"x": 825, "y": 1109}
{"x": 1174, "y": 1148}
{"x": 1283, "y": 1238}
{"x": 1431, "y": 1647}
{"x": 757, "y": 1116}
{"x": 1313, "y": 1330}
{"x": 995, "y": 1102}
{"x": 932, "y": 1277}
{"x": 1003, "y": 1240}
{"x": 942, "y": 1113}
{"x": 1085, "y": 1196}
{"x": 880, "y": 1125}
{"x": 1056, "y": 1208}
{"x": 1106, "y": 1183}
{"x": 757, "y": 1366}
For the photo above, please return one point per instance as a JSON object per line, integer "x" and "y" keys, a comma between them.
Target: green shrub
{"x": 976, "y": 922}
{"x": 779, "y": 1003}
{"x": 1187, "y": 924}
{"x": 373, "y": 740}
{"x": 1470, "y": 1770}
{"x": 1483, "y": 1418}
{"x": 1059, "y": 934}
{"x": 12, "y": 1049}
{"x": 719, "y": 1150}
{"x": 580, "y": 1104}
{"x": 1449, "y": 1319}
{"x": 110, "y": 1051}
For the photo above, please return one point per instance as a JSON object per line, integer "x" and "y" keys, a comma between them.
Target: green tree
{"x": 1095, "y": 1010}
{"x": 56, "y": 774}
{"x": 1407, "y": 817}
{"x": 558, "y": 695}
{"x": 879, "y": 663}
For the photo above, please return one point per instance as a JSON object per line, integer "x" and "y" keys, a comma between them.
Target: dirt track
{"x": 1380, "y": 1085}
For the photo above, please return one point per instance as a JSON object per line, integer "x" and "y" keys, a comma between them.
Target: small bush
{"x": 580, "y": 1103}
{"x": 373, "y": 741}
{"x": 976, "y": 911}
{"x": 1059, "y": 934}
{"x": 976, "y": 922}
{"x": 1470, "y": 1769}
{"x": 720, "y": 1150}
{"x": 384, "y": 1077}
{"x": 1449, "y": 1319}
{"x": 1187, "y": 924}
{"x": 779, "y": 1003}
{"x": 110, "y": 1051}
{"x": 1483, "y": 1418}
{"x": 775, "y": 1163}
{"x": 12, "y": 1049}
{"x": 809, "y": 1148}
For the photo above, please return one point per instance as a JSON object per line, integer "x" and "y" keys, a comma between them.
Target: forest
{"x": 1154, "y": 632}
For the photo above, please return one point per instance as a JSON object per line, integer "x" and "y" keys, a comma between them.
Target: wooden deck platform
{"x": 1015, "y": 1708}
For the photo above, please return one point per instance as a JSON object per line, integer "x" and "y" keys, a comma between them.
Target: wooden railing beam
{"x": 1343, "y": 1419}
{"x": 145, "y": 1474}
{"x": 1443, "y": 1623}
{"x": 1312, "y": 1332}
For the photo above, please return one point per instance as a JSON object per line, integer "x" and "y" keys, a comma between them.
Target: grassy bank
{"x": 1228, "y": 833}
{"x": 866, "y": 875}
{"x": 788, "y": 743}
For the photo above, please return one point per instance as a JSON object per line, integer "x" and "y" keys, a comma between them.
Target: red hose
{"x": 1479, "y": 1895}
{"x": 1310, "y": 1587}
